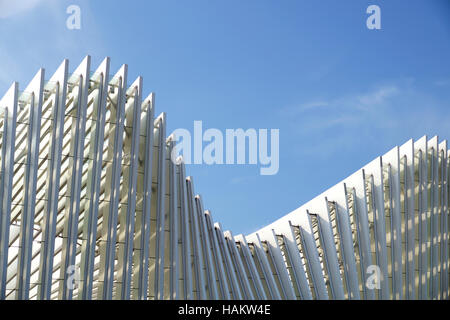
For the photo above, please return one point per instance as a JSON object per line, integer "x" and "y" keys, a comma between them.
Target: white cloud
{"x": 313, "y": 105}
{"x": 10, "y": 8}
{"x": 22, "y": 52}
{"x": 345, "y": 110}
{"x": 377, "y": 97}
{"x": 241, "y": 179}
{"x": 386, "y": 114}
{"x": 442, "y": 82}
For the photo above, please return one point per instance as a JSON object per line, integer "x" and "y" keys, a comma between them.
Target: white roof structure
{"x": 92, "y": 207}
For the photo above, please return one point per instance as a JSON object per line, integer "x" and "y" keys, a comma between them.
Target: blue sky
{"x": 339, "y": 93}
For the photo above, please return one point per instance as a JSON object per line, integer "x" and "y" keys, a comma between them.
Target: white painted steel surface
{"x": 92, "y": 207}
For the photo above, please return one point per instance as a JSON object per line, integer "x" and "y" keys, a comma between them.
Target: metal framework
{"x": 92, "y": 207}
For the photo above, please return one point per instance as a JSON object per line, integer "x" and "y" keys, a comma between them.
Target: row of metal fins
{"x": 93, "y": 207}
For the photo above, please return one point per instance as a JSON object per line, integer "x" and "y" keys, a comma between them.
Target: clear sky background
{"x": 340, "y": 94}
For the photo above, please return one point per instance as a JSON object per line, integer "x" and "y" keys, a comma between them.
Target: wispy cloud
{"x": 442, "y": 82}
{"x": 10, "y": 8}
{"x": 344, "y": 110}
{"x": 376, "y": 97}
{"x": 22, "y": 55}
{"x": 313, "y": 105}
{"x": 387, "y": 113}
{"x": 241, "y": 179}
